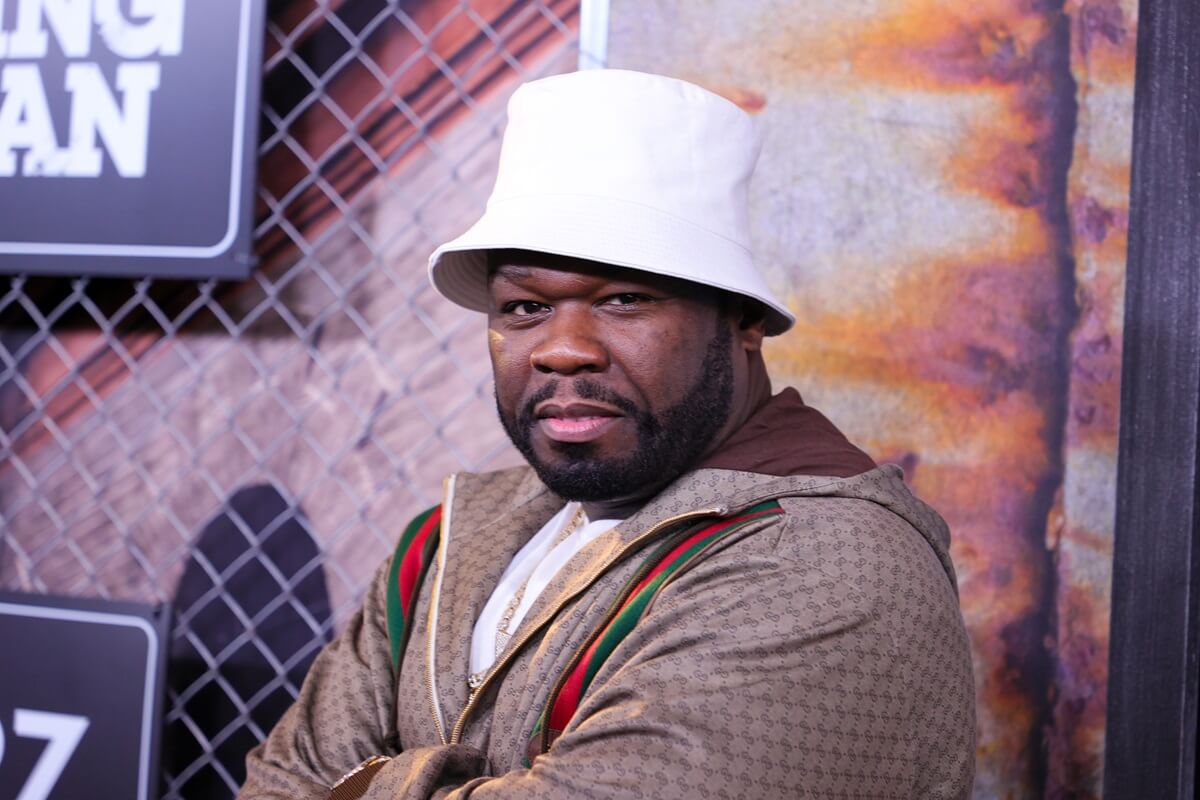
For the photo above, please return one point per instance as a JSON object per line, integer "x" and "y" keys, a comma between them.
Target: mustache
{"x": 583, "y": 389}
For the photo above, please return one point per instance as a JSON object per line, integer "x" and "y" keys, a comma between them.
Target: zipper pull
{"x": 474, "y": 681}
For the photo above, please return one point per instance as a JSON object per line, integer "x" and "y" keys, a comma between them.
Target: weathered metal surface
{"x": 941, "y": 198}
{"x": 1080, "y": 529}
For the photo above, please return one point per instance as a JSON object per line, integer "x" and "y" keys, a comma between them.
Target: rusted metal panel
{"x": 941, "y": 198}
{"x": 1080, "y": 530}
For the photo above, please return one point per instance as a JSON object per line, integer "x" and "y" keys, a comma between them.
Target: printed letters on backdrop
{"x": 140, "y": 32}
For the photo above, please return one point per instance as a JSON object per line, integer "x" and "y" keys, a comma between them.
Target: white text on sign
{"x": 118, "y": 116}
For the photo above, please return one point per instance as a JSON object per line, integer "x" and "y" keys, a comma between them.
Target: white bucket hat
{"x": 624, "y": 168}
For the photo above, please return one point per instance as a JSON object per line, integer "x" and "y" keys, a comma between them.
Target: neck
{"x": 620, "y": 508}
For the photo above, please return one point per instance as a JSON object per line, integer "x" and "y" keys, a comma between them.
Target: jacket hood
{"x": 788, "y": 437}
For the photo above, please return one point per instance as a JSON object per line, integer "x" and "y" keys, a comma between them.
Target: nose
{"x": 569, "y": 344}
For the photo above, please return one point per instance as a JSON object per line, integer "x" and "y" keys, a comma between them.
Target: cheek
{"x": 510, "y": 367}
{"x": 662, "y": 362}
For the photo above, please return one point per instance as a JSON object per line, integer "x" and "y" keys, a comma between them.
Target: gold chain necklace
{"x": 503, "y": 634}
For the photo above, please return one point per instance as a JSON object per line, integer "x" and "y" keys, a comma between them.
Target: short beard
{"x": 667, "y": 445}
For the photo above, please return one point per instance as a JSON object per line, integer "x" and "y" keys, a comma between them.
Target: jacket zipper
{"x": 431, "y": 623}
{"x": 513, "y": 649}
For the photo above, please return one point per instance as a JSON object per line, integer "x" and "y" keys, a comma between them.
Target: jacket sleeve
{"x": 342, "y": 716}
{"x": 761, "y": 674}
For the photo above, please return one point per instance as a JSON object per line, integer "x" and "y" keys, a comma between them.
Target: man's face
{"x": 610, "y": 382}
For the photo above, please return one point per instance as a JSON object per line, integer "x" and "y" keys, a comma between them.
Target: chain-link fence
{"x": 249, "y": 451}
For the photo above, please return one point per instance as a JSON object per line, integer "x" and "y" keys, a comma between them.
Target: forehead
{"x": 527, "y": 267}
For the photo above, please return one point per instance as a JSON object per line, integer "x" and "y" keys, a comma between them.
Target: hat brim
{"x": 606, "y": 230}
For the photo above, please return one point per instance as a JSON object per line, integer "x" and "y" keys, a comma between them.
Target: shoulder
{"x": 842, "y": 579}
{"x": 840, "y": 559}
{"x": 827, "y": 527}
{"x": 879, "y": 558}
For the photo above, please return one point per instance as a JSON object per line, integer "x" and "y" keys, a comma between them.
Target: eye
{"x": 523, "y": 308}
{"x": 626, "y": 299}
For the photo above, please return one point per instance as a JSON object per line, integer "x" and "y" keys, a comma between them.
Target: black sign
{"x": 80, "y": 689}
{"x": 128, "y": 132}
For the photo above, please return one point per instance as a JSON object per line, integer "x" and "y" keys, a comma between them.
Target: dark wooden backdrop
{"x": 1151, "y": 730}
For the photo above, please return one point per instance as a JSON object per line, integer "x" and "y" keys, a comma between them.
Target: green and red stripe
{"x": 667, "y": 561}
{"x": 412, "y": 558}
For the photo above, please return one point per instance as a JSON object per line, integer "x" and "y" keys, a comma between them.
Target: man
{"x": 696, "y": 589}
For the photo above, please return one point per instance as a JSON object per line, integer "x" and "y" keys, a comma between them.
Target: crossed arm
{"x": 753, "y": 675}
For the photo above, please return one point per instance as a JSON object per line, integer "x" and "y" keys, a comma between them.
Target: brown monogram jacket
{"x": 817, "y": 653}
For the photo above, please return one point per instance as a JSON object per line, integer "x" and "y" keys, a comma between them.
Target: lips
{"x": 575, "y": 422}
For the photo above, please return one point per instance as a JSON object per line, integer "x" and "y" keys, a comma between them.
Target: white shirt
{"x": 539, "y": 561}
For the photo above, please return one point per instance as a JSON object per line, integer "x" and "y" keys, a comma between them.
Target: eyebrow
{"x": 510, "y": 271}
